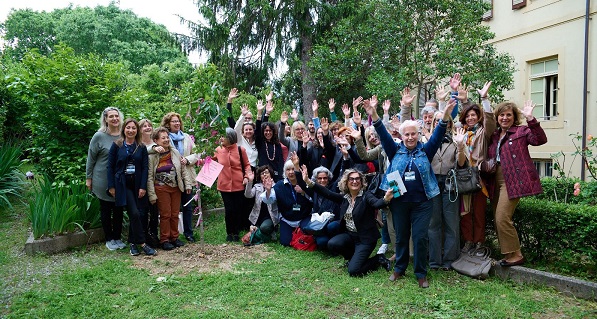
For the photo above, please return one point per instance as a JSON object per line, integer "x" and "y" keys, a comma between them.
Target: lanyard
{"x": 292, "y": 192}
{"x": 412, "y": 159}
{"x": 129, "y": 147}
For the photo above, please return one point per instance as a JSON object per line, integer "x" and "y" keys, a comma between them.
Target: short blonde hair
{"x": 296, "y": 125}
{"x": 409, "y": 123}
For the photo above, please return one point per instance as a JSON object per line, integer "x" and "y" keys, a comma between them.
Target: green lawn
{"x": 95, "y": 283}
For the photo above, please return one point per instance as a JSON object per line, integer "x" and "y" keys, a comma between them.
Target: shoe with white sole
{"x": 120, "y": 244}
{"x": 111, "y": 245}
{"x": 382, "y": 249}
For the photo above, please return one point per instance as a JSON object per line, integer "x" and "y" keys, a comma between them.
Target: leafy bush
{"x": 11, "y": 179}
{"x": 559, "y": 233}
{"x": 55, "y": 209}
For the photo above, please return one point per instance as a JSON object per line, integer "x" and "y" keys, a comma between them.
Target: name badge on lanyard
{"x": 410, "y": 176}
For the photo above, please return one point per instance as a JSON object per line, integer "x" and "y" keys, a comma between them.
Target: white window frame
{"x": 544, "y": 167}
{"x": 544, "y": 89}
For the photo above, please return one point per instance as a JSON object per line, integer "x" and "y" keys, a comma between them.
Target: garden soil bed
{"x": 199, "y": 258}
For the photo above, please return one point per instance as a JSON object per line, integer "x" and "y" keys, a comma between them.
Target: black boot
{"x": 384, "y": 262}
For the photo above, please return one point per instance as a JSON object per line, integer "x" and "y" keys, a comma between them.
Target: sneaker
{"x": 177, "y": 243}
{"x": 167, "y": 246}
{"x": 467, "y": 247}
{"x": 134, "y": 250}
{"x": 111, "y": 245}
{"x": 190, "y": 239}
{"x": 120, "y": 244}
{"x": 148, "y": 250}
{"x": 382, "y": 249}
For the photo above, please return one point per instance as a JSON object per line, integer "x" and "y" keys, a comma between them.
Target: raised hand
{"x": 356, "y": 134}
{"x": 331, "y": 105}
{"x": 315, "y": 108}
{"x": 462, "y": 92}
{"x": 251, "y": 175}
{"x": 260, "y": 105}
{"x": 295, "y": 159}
{"x": 270, "y": 96}
{"x": 306, "y": 138}
{"x": 342, "y": 141}
{"x": 459, "y": 136}
{"x": 455, "y": 82}
{"x": 356, "y": 118}
{"x": 373, "y": 101}
{"x": 325, "y": 125}
{"x": 244, "y": 109}
{"x": 267, "y": 184}
{"x": 305, "y": 173}
{"x": 269, "y": 107}
{"x": 232, "y": 95}
{"x": 483, "y": 91}
{"x": 356, "y": 102}
{"x": 449, "y": 107}
{"x": 343, "y": 149}
{"x": 298, "y": 189}
{"x": 369, "y": 109}
{"x": 294, "y": 115}
{"x": 407, "y": 99}
{"x": 395, "y": 122}
{"x": 284, "y": 117}
{"x": 386, "y": 106}
{"x": 527, "y": 111}
{"x": 441, "y": 93}
{"x": 345, "y": 110}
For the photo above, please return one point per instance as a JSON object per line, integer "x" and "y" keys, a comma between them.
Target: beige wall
{"x": 546, "y": 28}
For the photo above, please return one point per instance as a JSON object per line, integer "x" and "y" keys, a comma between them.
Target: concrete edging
{"x": 567, "y": 285}
{"x": 63, "y": 242}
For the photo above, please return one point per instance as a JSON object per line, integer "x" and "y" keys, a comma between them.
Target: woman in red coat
{"x": 515, "y": 174}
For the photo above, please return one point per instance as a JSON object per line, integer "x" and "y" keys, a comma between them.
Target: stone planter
{"x": 63, "y": 242}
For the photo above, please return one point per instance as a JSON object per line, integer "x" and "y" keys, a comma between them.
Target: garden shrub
{"x": 11, "y": 178}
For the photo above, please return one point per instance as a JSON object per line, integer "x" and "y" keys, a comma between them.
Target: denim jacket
{"x": 399, "y": 157}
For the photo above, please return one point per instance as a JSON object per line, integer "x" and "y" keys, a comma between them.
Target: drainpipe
{"x": 585, "y": 88}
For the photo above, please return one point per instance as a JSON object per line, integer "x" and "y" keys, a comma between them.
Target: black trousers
{"x": 357, "y": 253}
{"x": 235, "y": 211}
{"x": 136, "y": 230}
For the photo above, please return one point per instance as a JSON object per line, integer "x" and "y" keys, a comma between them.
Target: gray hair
{"x": 231, "y": 135}
{"x": 287, "y": 165}
{"x": 428, "y": 109}
{"x": 321, "y": 169}
{"x": 409, "y": 123}
{"x": 104, "y": 119}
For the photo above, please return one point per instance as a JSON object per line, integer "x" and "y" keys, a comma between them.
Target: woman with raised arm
{"x": 358, "y": 227}
{"x": 266, "y": 140}
{"x": 96, "y": 170}
{"x": 412, "y": 209}
{"x": 127, "y": 182}
{"x": 515, "y": 174}
{"x": 479, "y": 125}
{"x": 264, "y": 216}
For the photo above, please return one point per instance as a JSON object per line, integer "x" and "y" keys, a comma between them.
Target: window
{"x": 544, "y": 89}
{"x": 489, "y": 13}
{"x": 544, "y": 167}
{"x": 517, "y": 4}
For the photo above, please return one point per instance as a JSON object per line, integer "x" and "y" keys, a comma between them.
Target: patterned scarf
{"x": 177, "y": 140}
{"x": 470, "y": 134}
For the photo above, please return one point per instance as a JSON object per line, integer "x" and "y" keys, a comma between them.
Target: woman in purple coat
{"x": 515, "y": 174}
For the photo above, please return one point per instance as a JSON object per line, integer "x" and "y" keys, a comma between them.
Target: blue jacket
{"x": 399, "y": 158}
{"x": 117, "y": 161}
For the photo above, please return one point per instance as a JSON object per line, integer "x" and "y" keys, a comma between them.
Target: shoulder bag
{"x": 463, "y": 181}
{"x": 476, "y": 263}
{"x": 302, "y": 241}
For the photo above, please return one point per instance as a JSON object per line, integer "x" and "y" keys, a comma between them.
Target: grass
{"x": 94, "y": 283}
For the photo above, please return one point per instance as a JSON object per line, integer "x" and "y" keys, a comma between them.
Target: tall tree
{"x": 255, "y": 35}
{"x": 387, "y": 45}
{"x": 108, "y": 31}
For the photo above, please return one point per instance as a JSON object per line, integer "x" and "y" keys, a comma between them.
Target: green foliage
{"x": 11, "y": 178}
{"x": 388, "y": 45}
{"x": 57, "y": 209}
{"x": 66, "y": 94}
{"x": 108, "y": 31}
{"x": 558, "y": 233}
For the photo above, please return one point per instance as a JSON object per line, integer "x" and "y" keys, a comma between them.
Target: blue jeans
{"x": 331, "y": 230}
{"x": 415, "y": 216}
{"x": 444, "y": 223}
{"x": 385, "y": 234}
{"x": 285, "y": 233}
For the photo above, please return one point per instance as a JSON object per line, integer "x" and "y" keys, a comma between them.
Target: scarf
{"x": 177, "y": 140}
{"x": 470, "y": 134}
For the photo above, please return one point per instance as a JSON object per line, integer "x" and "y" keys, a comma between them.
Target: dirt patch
{"x": 197, "y": 258}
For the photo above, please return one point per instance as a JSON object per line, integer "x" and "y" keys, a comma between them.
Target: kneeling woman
{"x": 357, "y": 218}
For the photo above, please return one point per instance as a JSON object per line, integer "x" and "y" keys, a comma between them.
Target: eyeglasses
{"x": 354, "y": 179}
{"x": 322, "y": 178}
{"x": 174, "y": 121}
{"x": 264, "y": 173}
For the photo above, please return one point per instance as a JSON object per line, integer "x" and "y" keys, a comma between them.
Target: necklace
{"x": 267, "y": 151}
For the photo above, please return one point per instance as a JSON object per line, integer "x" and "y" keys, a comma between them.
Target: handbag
{"x": 302, "y": 241}
{"x": 316, "y": 223}
{"x": 475, "y": 263}
{"x": 489, "y": 166}
{"x": 374, "y": 184}
{"x": 463, "y": 181}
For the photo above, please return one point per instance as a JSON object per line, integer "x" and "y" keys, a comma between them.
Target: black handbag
{"x": 374, "y": 184}
{"x": 463, "y": 180}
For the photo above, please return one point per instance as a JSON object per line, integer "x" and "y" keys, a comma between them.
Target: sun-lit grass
{"x": 95, "y": 283}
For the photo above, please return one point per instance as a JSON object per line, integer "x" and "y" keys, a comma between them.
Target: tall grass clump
{"x": 12, "y": 180}
{"x": 56, "y": 209}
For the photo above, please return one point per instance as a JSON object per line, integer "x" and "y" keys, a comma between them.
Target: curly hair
{"x": 343, "y": 183}
{"x": 168, "y": 117}
{"x": 272, "y": 127}
{"x": 262, "y": 169}
{"x": 474, "y": 107}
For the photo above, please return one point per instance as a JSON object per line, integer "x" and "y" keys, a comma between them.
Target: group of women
{"x": 274, "y": 177}
{"x": 130, "y": 165}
